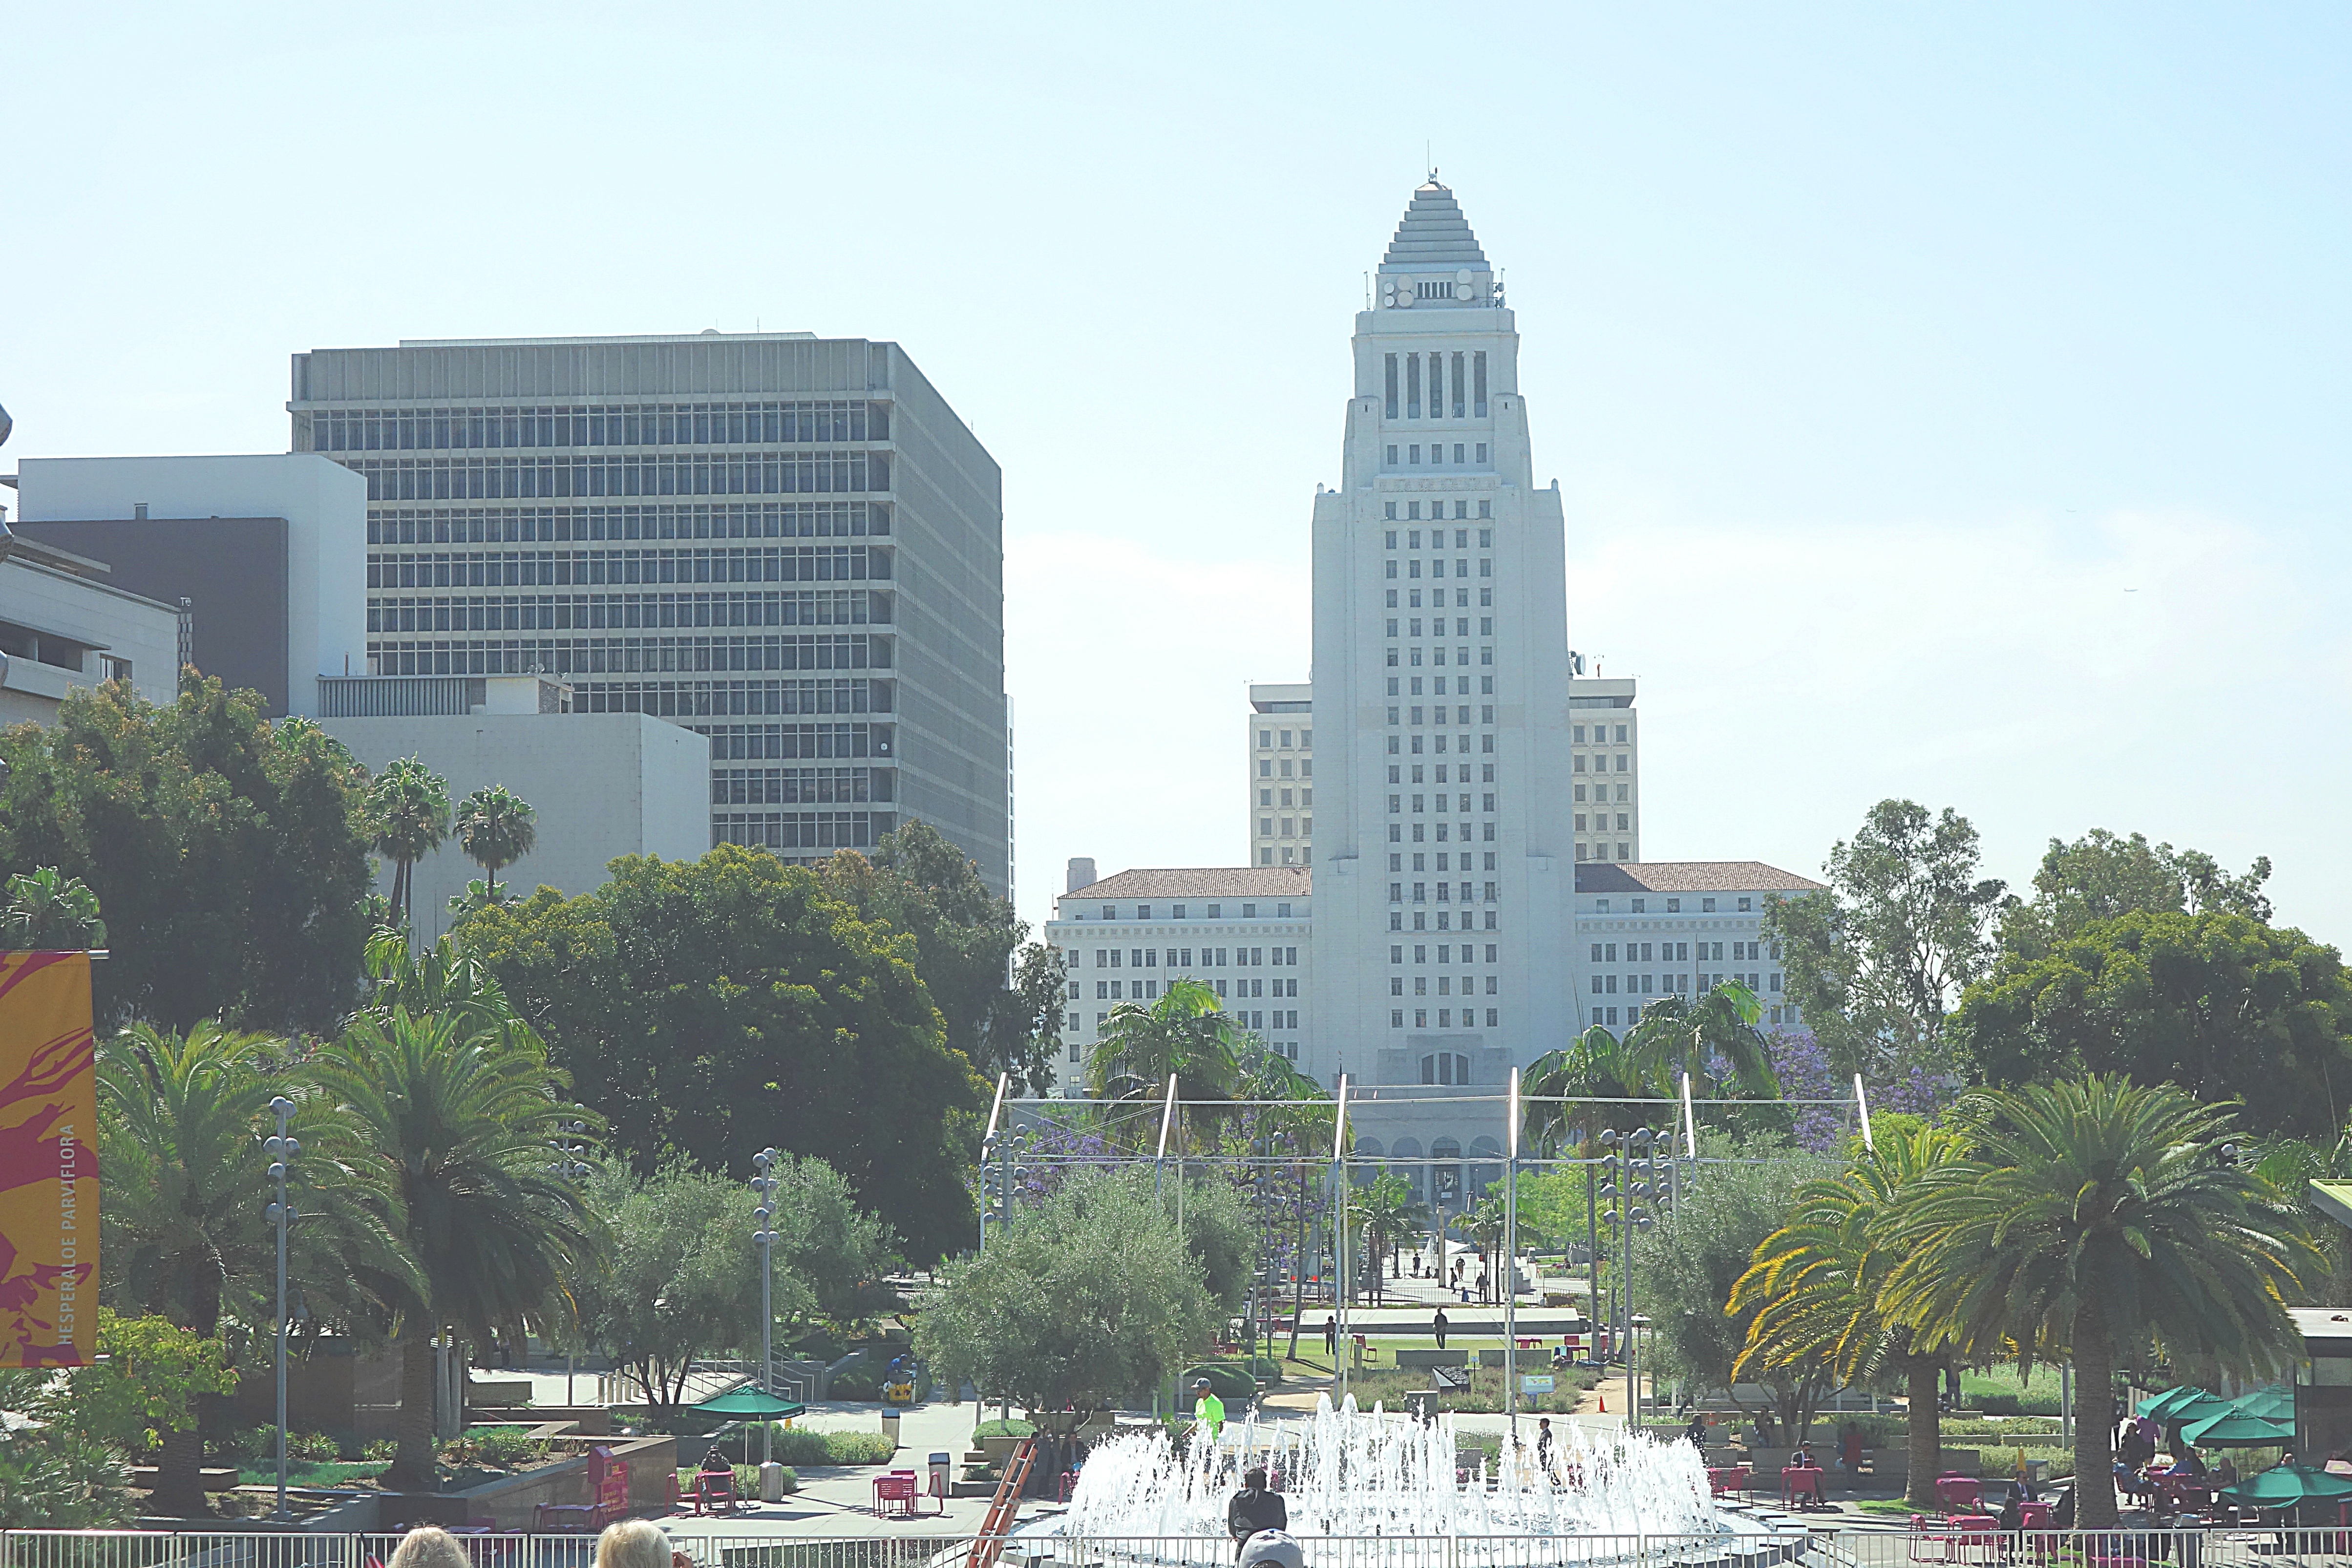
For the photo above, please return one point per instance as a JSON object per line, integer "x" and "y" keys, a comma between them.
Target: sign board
{"x": 1535, "y": 1383}
{"x": 48, "y": 1162}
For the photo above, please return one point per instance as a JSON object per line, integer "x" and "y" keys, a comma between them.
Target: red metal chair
{"x": 894, "y": 1495}
{"x": 1959, "y": 1494}
{"x": 714, "y": 1493}
{"x": 1797, "y": 1483}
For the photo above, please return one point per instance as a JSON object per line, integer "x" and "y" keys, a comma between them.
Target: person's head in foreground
{"x": 632, "y": 1544}
{"x": 1254, "y": 1478}
{"x": 1272, "y": 1549}
{"x": 429, "y": 1546}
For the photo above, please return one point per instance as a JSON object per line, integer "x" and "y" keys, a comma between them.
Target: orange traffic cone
{"x": 1604, "y": 1405}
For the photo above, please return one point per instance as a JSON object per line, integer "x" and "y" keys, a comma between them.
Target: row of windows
{"x": 1680, "y": 952}
{"x": 1444, "y": 984}
{"x": 1437, "y": 569}
{"x": 1474, "y": 405}
{"x": 1437, "y": 601}
{"x": 1306, "y": 739}
{"x": 1394, "y": 800}
{"x": 1211, "y": 958}
{"x": 651, "y": 425}
{"x": 1420, "y": 894}
{"x": 1109, "y": 990}
{"x": 629, "y": 611}
{"x": 1486, "y": 744}
{"x": 543, "y": 478}
{"x": 1600, "y": 822}
{"x": 1305, "y": 767}
{"x": 1600, "y": 792}
{"x": 801, "y": 786}
{"x": 1444, "y": 1019}
{"x": 1600, "y": 734}
{"x": 706, "y": 655}
{"x": 1437, "y": 657}
{"x": 1444, "y": 954}
{"x": 717, "y": 699}
{"x": 1302, "y": 855}
{"x": 800, "y": 830}
{"x": 1600, "y": 764}
{"x": 1601, "y": 852}
{"x": 1436, "y": 455}
{"x": 1674, "y": 906}
{"x": 590, "y": 568}
{"x": 1419, "y": 860}
{"x": 1303, "y": 797}
{"x": 1437, "y": 714}
{"x": 1437, "y": 542}
{"x": 1461, "y": 774}
{"x": 1437, "y": 510}
{"x": 1178, "y": 912}
{"x": 1445, "y": 918}
{"x": 761, "y": 742}
{"x": 706, "y": 519}
{"x": 1292, "y": 827}
{"x": 1652, "y": 984}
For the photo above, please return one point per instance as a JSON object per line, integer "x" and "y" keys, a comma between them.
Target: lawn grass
{"x": 312, "y": 1473}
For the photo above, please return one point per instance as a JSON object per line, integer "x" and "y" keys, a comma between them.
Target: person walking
{"x": 1255, "y": 1508}
{"x": 1438, "y": 1326}
{"x": 1543, "y": 1446}
{"x": 1208, "y": 1410}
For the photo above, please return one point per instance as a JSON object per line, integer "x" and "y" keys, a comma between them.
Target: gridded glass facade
{"x": 730, "y": 564}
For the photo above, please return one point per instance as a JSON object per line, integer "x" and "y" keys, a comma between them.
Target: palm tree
{"x": 408, "y": 810}
{"x": 49, "y": 911}
{"x": 1383, "y": 1211}
{"x": 181, "y": 1123}
{"x": 494, "y": 824}
{"x": 462, "y": 1121}
{"x": 1185, "y": 1032}
{"x": 1289, "y": 1129}
{"x": 2097, "y": 1218}
{"x": 1816, "y": 1287}
{"x": 1565, "y": 1093}
{"x": 1678, "y": 1035}
{"x": 1484, "y": 1223}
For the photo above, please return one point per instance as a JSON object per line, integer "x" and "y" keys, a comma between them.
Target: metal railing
{"x": 1824, "y": 1542}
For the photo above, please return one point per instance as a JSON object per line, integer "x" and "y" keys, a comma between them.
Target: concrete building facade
{"x": 1243, "y": 931}
{"x": 1281, "y": 751}
{"x": 64, "y": 623}
{"x": 1605, "y": 735}
{"x": 1443, "y": 838}
{"x": 602, "y": 785}
{"x": 791, "y": 545}
{"x": 269, "y": 549}
{"x": 1678, "y": 927}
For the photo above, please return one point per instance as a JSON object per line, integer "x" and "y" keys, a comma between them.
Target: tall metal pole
{"x": 1511, "y": 1266}
{"x": 764, "y": 1183}
{"x": 988, "y": 1143}
{"x": 281, "y": 1149}
{"x": 1339, "y": 1238}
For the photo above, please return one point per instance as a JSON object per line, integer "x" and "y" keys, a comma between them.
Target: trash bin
{"x": 890, "y": 1426}
{"x": 941, "y": 1475}
{"x": 771, "y": 1482}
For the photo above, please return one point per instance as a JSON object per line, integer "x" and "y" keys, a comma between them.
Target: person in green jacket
{"x": 1208, "y": 1410}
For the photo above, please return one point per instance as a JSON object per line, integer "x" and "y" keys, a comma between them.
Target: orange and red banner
{"x": 49, "y": 1161}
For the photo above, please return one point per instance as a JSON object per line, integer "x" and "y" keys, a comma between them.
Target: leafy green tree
{"x": 1080, "y": 1301}
{"x": 182, "y": 1232}
{"x": 49, "y": 911}
{"x": 2224, "y": 1007}
{"x": 408, "y": 812}
{"x": 2095, "y": 1219}
{"x": 498, "y": 829}
{"x": 1702, "y": 1037}
{"x": 1688, "y": 1264}
{"x": 2101, "y": 876}
{"x": 709, "y": 1008}
{"x": 462, "y": 1120}
{"x": 967, "y": 938}
{"x": 229, "y": 853}
{"x": 1298, "y": 1132}
{"x": 1814, "y": 1291}
{"x": 1877, "y": 959}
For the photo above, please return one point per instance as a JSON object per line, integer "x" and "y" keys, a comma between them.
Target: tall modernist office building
{"x": 1444, "y": 876}
{"x": 790, "y": 544}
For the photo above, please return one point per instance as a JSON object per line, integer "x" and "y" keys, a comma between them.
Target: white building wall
{"x": 602, "y": 784}
{"x": 323, "y": 503}
{"x": 1605, "y": 735}
{"x": 1279, "y": 747}
{"x": 110, "y": 623}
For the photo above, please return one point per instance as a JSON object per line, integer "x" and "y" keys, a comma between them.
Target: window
{"x": 1110, "y": 911}
{"x": 1414, "y": 455}
{"x": 1706, "y": 906}
{"x": 1391, "y": 457}
{"x": 1747, "y": 904}
{"x": 1391, "y": 511}
{"x": 1392, "y": 369}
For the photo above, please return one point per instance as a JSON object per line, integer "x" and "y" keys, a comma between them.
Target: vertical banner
{"x": 49, "y": 1161}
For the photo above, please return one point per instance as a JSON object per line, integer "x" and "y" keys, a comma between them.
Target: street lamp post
{"x": 764, "y": 1183}
{"x": 281, "y": 1148}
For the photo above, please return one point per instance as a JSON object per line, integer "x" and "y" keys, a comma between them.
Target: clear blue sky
{"x": 1949, "y": 402}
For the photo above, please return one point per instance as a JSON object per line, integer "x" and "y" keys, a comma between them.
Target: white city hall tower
{"x": 1443, "y": 849}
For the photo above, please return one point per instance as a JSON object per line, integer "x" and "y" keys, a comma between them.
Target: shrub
{"x": 857, "y": 1382}
{"x": 799, "y": 1446}
{"x": 1004, "y": 1429}
{"x": 1229, "y": 1383}
{"x": 508, "y": 1450}
{"x": 380, "y": 1448}
{"x": 308, "y": 1447}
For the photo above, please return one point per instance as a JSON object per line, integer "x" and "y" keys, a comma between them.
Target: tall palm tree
{"x": 408, "y": 812}
{"x": 462, "y": 1122}
{"x": 2098, "y": 1219}
{"x": 1384, "y": 1213}
{"x": 1565, "y": 1095}
{"x": 181, "y": 1123}
{"x": 1817, "y": 1285}
{"x": 1716, "y": 1032}
{"x": 1185, "y": 1032}
{"x": 49, "y": 911}
{"x": 495, "y": 825}
{"x": 1298, "y": 1132}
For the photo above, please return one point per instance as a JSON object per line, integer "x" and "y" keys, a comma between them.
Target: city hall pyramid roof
{"x": 1433, "y": 236}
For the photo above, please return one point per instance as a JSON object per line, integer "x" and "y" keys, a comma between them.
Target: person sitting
{"x": 1801, "y": 1457}
{"x": 715, "y": 1463}
{"x": 1255, "y": 1508}
{"x": 2189, "y": 1465}
{"x": 2225, "y": 1472}
{"x": 2011, "y": 1512}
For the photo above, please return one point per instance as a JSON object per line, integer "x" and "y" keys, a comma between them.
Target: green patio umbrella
{"x": 2173, "y": 1402}
{"x": 2283, "y": 1486}
{"x": 750, "y": 1400}
{"x": 2271, "y": 1403}
{"x": 2234, "y": 1429}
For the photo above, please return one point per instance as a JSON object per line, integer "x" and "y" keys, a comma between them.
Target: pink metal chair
{"x": 1798, "y": 1483}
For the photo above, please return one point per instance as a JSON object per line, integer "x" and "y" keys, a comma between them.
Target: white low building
{"x": 63, "y": 624}
{"x": 1677, "y": 928}
{"x": 1242, "y": 930}
{"x": 602, "y": 785}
